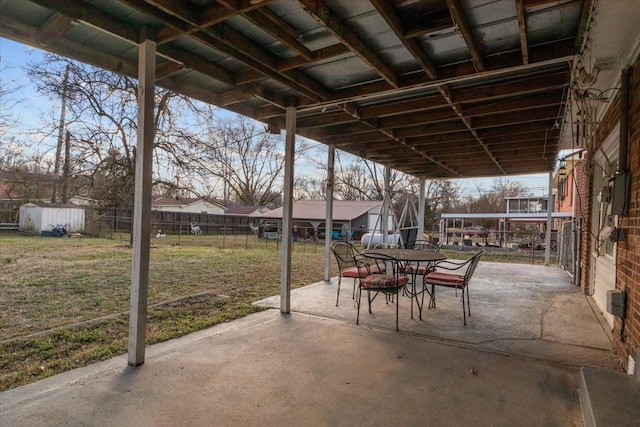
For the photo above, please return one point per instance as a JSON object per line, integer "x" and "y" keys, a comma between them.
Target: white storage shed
{"x": 38, "y": 217}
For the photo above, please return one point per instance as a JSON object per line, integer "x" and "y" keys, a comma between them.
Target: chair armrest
{"x": 370, "y": 261}
{"x": 456, "y": 265}
{"x": 451, "y": 265}
{"x": 362, "y": 261}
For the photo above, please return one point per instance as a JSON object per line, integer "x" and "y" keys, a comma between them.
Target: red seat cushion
{"x": 419, "y": 270}
{"x": 377, "y": 281}
{"x": 355, "y": 272}
{"x": 444, "y": 279}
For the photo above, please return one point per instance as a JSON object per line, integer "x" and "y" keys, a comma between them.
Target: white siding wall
{"x": 36, "y": 219}
{"x": 73, "y": 217}
{"x": 30, "y": 218}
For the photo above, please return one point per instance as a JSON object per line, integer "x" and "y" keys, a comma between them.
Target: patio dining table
{"x": 409, "y": 257}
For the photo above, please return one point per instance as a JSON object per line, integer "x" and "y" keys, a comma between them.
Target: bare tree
{"x": 356, "y": 178}
{"x": 101, "y": 117}
{"x": 359, "y": 179}
{"x": 493, "y": 200}
{"x": 8, "y": 91}
{"x": 311, "y": 187}
{"x": 247, "y": 161}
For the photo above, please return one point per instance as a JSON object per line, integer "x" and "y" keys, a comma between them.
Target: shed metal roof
{"x": 315, "y": 210}
{"x": 434, "y": 88}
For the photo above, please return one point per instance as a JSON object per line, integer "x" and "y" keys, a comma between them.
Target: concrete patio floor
{"x": 515, "y": 363}
{"x": 528, "y": 310}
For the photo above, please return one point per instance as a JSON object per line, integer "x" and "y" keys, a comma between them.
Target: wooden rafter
{"x": 385, "y": 9}
{"x": 437, "y": 21}
{"x": 54, "y": 28}
{"x": 402, "y": 111}
{"x": 522, "y": 25}
{"x": 446, "y": 93}
{"x": 333, "y": 24}
{"x": 465, "y": 30}
{"x": 230, "y": 42}
{"x": 558, "y": 52}
{"x": 280, "y": 30}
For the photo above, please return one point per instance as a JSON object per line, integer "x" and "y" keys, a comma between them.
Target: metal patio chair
{"x": 421, "y": 245}
{"x": 452, "y": 274}
{"x": 345, "y": 254}
{"x": 389, "y": 283}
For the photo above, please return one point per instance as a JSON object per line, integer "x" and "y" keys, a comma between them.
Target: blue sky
{"x": 14, "y": 56}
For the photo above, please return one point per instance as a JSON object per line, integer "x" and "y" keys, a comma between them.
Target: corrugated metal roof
{"x": 428, "y": 87}
{"x": 245, "y": 210}
{"x": 315, "y": 210}
{"x": 181, "y": 201}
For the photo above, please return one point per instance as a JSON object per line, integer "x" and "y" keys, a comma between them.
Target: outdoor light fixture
{"x": 562, "y": 169}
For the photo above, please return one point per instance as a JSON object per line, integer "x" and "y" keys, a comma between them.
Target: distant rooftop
{"x": 343, "y": 210}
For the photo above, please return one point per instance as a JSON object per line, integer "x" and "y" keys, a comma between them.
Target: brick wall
{"x": 582, "y": 212}
{"x": 627, "y": 338}
{"x": 626, "y": 333}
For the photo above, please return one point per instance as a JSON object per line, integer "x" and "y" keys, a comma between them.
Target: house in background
{"x": 524, "y": 216}
{"x": 250, "y": 211}
{"x": 351, "y": 218}
{"x": 187, "y": 205}
{"x": 568, "y": 178}
{"x": 18, "y": 187}
{"x": 570, "y": 171}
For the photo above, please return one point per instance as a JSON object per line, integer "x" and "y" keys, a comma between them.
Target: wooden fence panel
{"x": 119, "y": 220}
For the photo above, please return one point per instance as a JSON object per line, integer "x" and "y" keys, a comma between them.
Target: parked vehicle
{"x": 476, "y": 230}
{"x": 270, "y": 230}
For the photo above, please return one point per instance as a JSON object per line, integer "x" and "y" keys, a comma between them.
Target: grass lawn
{"x": 64, "y": 302}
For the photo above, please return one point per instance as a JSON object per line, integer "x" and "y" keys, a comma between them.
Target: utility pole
{"x": 63, "y": 110}
{"x": 66, "y": 167}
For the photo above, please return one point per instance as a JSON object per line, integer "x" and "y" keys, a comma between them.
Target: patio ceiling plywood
{"x": 434, "y": 88}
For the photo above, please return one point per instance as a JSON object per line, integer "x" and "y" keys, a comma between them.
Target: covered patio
{"x": 515, "y": 363}
{"x": 435, "y": 89}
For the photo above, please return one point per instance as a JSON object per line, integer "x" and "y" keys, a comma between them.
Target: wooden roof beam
{"x": 463, "y": 27}
{"x": 437, "y": 21}
{"x": 180, "y": 9}
{"x": 316, "y": 56}
{"x": 469, "y": 148}
{"x": 278, "y": 29}
{"x": 81, "y": 11}
{"x": 197, "y": 63}
{"x": 558, "y": 52}
{"x": 227, "y": 40}
{"x": 505, "y": 105}
{"x": 386, "y": 10}
{"x": 201, "y": 17}
{"x": 466, "y": 139}
{"x": 522, "y": 86}
{"x": 332, "y": 23}
{"x": 54, "y": 28}
{"x": 517, "y": 117}
{"x": 522, "y": 25}
{"x": 535, "y": 84}
{"x": 181, "y": 16}
{"x": 446, "y": 93}
{"x": 518, "y": 103}
{"x": 175, "y": 27}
